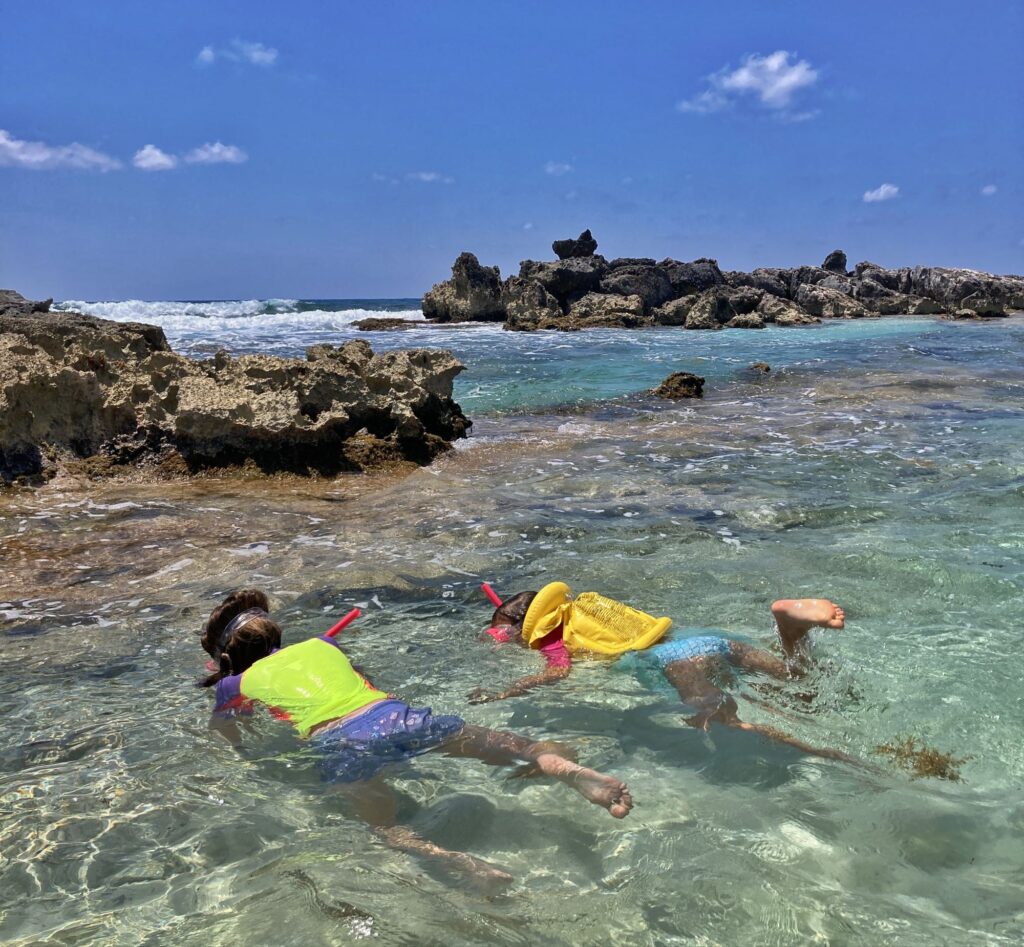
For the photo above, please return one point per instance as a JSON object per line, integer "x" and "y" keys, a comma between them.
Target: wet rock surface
{"x": 584, "y": 290}
{"x": 681, "y": 385}
{"x": 112, "y": 397}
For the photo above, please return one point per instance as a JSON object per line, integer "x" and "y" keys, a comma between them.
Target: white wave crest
{"x": 234, "y": 321}
{"x": 139, "y": 310}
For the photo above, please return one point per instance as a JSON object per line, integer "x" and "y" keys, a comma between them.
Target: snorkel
{"x": 344, "y": 623}
{"x": 498, "y": 633}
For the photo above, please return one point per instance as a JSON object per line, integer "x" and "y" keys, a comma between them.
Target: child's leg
{"x": 375, "y": 803}
{"x": 506, "y": 749}
{"x": 749, "y": 658}
{"x": 794, "y": 618}
{"x": 690, "y": 679}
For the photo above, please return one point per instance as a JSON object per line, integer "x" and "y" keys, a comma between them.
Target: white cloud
{"x": 527, "y": 226}
{"x": 255, "y": 53}
{"x": 151, "y": 158}
{"x": 885, "y": 192}
{"x": 557, "y": 168}
{"x": 39, "y": 156}
{"x": 988, "y": 190}
{"x": 771, "y": 80}
{"x": 429, "y": 177}
{"x": 216, "y": 153}
{"x": 239, "y": 50}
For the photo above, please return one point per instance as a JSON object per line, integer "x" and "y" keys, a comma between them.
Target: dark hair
{"x": 513, "y": 610}
{"x": 250, "y": 641}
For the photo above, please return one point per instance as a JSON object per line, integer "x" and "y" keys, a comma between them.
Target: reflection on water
{"x": 885, "y": 472}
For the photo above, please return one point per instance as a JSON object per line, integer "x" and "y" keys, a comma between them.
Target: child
{"x": 551, "y": 622}
{"x": 357, "y": 729}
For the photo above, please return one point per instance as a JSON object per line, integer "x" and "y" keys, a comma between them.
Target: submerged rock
{"x": 74, "y": 387}
{"x": 681, "y": 385}
{"x": 385, "y": 324}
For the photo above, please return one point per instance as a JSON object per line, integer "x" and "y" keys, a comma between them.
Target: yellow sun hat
{"x": 591, "y": 622}
{"x": 546, "y": 612}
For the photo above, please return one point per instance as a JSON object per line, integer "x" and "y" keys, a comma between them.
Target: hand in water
{"x": 480, "y": 696}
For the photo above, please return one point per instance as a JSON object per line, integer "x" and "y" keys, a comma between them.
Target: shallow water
{"x": 880, "y": 464}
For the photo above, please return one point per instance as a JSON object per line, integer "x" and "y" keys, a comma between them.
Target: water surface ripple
{"x": 880, "y": 463}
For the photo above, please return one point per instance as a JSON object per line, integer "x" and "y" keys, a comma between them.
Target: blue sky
{"x": 353, "y": 149}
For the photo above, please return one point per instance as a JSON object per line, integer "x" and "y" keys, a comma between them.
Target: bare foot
{"x": 605, "y": 791}
{"x": 796, "y": 616}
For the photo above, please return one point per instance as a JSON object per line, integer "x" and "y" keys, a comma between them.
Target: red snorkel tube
{"x": 498, "y": 634}
{"x": 344, "y": 623}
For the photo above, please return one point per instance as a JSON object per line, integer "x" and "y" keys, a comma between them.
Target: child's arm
{"x": 550, "y": 675}
{"x": 230, "y": 704}
{"x": 227, "y": 727}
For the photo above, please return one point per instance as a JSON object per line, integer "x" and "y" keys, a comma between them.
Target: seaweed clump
{"x": 923, "y": 760}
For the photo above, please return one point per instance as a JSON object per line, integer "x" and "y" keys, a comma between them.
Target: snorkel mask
{"x": 500, "y": 633}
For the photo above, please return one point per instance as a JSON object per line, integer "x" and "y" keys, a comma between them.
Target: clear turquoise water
{"x": 880, "y": 464}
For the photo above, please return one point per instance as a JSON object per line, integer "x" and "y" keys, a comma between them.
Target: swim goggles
{"x": 239, "y": 621}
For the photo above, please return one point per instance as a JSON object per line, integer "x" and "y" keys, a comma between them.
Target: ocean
{"x": 880, "y": 463}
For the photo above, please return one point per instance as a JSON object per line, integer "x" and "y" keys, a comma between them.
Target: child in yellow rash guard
{"x": 552, "y": 622}
{"x": 358, "y": 730}
{"x": 306, "y": 684}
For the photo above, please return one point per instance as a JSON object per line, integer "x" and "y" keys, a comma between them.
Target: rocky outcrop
{"x": 583, "y": 245}
{"x": 12, "y": 303}
{"x": 681, "y": 385}
{"x": 386, "y": 324}
{"x": 598, "y": 310}
{"x": 643, "y": 278}
{"x": 783, "y": 313}
{"x": 766, "y": 279}
{"x": 473, "y": 293}
{"x": 720, "y": 307}
{"x": 74, "y": 387}
{"x": 567, "y": 280}
{"x": 699, "y": 295}
{"x": 818, "y": 300}
{"x": 529, "y": 306}
{"x": 689, "y": 278}
{"x": 835, "y": 262}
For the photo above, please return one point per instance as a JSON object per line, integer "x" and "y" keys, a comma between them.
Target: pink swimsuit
{"x": 554, "y": 650}
{"x": 551, "y": 646}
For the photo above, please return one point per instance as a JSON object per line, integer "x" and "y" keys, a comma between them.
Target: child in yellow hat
{"x": 557, "y": 625}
